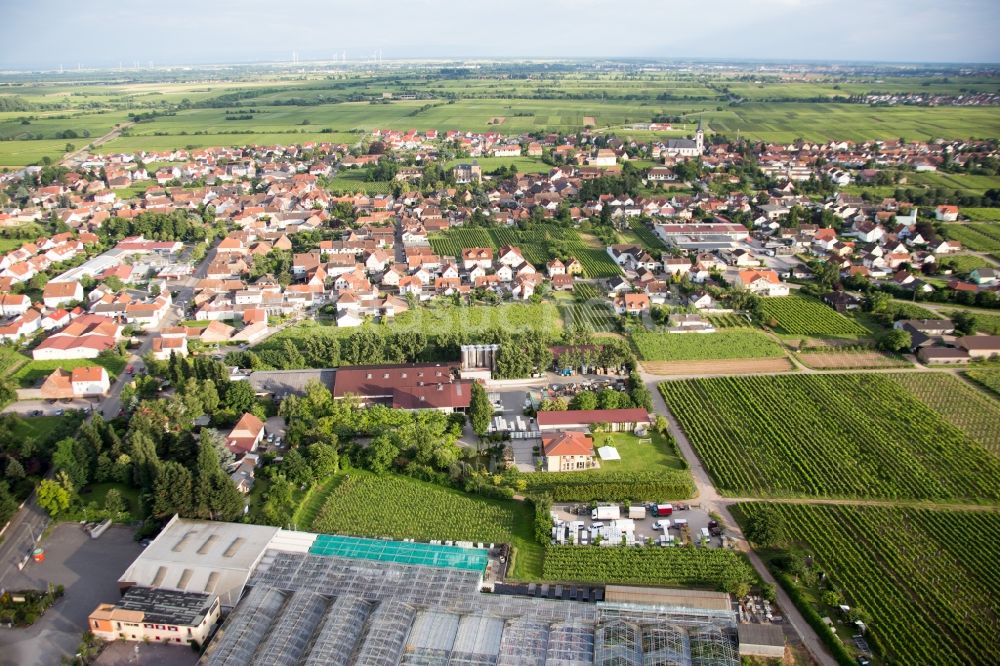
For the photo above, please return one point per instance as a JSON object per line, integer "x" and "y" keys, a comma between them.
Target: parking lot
{"x": 89, "y": 570}
{"x": 695, "y": 517}
{"x": 50, "y": 407}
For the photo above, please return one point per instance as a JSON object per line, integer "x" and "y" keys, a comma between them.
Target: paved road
{"x": 20, "y": 537}
{"x": 80, "y": 155}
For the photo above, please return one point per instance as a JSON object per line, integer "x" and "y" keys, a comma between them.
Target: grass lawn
{"x": 40, "y": 428}
{"x": 365, "y": 504}
{"x": 488, "y": 164}
{"x": 33, "y": 373}
{"x": 95, "y": 493}
{"x": 636, "y": 456}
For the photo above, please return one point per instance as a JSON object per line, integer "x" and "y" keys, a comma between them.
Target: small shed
{"x": 761, "y": 640}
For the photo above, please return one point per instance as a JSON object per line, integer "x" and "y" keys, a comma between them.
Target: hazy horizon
{"x": 47, "y": 34}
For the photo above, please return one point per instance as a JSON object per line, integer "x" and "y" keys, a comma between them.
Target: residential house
{"x": 763, "y": 282}
{"x": 245, "y": 435}
{"x": 632, "y": 304}
{"x": 568, "y": 451}
{"x": 57, "y": 294}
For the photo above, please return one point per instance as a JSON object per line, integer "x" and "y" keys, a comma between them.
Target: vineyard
{"x": 404, "y": 508}
{"x": 985, "y": 323}
{"x": 839, "y": 359}
{"x": 659, "y": 485}
{"x": 728, "y": 320}
{"x": 988, "y": 378}
{"x": 976, "y": 237}
{"x": 714, "y": 568}
{"x": 848, "y": 435}
{"x": 598, "y": 317}
{"x": 537, "y": 245}
{"x": 797, "y": 315}
{"x": 584, "y": 291}
{"x": 513, "y": 317}
{"x": 965, "y": 263}
{"x": 969, "y": 410}
{"x": 732, "y": 343}
{"x": 646, "y": 235}
{"x": 925, "y": 579}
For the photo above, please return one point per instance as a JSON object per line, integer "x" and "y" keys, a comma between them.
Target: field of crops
{"x": 535, "y": 244}
{"x": 985, "y": 377}
{"x": 512, "y": 317}
{"x": 729, "y": 320}
{"x": 597, "y": 317}
{"x": 847, "y": 435}
{"x": 797, "y": 315}
{"x": 969, "y": 410}
{"x": 967, "y": 262}
{"x": 713, "y": 568}
{"x": 926, "y": 579}
{"x": 651, "y": 485}
{"x": 977, "y": 237}
{"x": 734, "y": 343}
{"x": 400, "y": 507}
{"x": 982, "y": 214}
{"x": 835, "y": 359}
{"x": 985, "y": 323}
{"x": 646, "y": 235}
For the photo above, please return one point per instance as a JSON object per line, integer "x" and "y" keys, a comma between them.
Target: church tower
{"x": 699, "y": 138}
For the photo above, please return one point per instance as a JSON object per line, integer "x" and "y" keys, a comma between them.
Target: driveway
{"x": 29, "y": 407}
{"x": 89, "y": 570}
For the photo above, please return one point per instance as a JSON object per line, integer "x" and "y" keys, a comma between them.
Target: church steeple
{"x": 699, "y": 137}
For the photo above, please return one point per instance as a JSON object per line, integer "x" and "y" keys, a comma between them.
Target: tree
{"x": 584, "y": 400}
{"x": 480, "y": 410}
{"x": 965, "y": 322}
{"x": 70, "y": 457}
{"x": 172, "y": 490}
{"x": 239, "y": 397}
{"x": 381, "y": 453}
{"x": 145, "y": 462}
{"x": 766, "y": 528}
{"x": 15, "y": 470}
{"x": 895, "y": 340}
{"x": 324, "y": 460}
{"x": 53, "y": 497}
{"x": 114, "y": 502}
{"x": 296, "y": 468}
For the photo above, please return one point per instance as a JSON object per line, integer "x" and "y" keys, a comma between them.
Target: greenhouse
{"x": 311, "y": 609}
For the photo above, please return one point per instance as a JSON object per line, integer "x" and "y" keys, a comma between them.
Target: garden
{"x": 849, "y": 435}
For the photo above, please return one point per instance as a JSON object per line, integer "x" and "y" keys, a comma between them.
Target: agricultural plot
{"x": 988, "y": 378}
{"x": 847, "y": 435}
{"x": 511, "y": 317}
{"x": 976, "y": 237}
{"x": 538, "y": 246}
{"x": 969, "y": 410}
{"x": 729, "y": 320}
{"x": 726, "y": 344}
{"x": 585, "y": 291}
{"x": 797, "y": 315}
{"x": 597, "y": 317}
{"x": 985, "y": 323}
{"x": 926, "y": 579}
{"x": 967, "y": 262}
{"x": 404, "y": 508}
{"x": 835, "y": 359}
{"x": 713, "y": 568}
{"x": 645, "y": 235}
{"x": 982, "y": 214}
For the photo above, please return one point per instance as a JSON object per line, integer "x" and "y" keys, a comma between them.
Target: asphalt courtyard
{"x": 88, "y": 569}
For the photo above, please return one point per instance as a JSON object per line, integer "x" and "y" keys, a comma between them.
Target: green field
{"x": 964, "y": 407}
{"x": 730, "y": 320}
{"x": 847, "y": 435}
{"x": 712, "y": 568}
{"x": 925, "y": 580}
{"x": 32, "y": 373}
{"x": 512, "y": 317}
{"x": 982, "y": 214}
{"x": 730, "y": 343}
{"x": 598, "y": 317}
{"x": 985, "y": 322}
{"x": 538, "y": 246}
{"x": 988, "y": 378}
{"x": 798, "y": 315}
{"x": 400, "y": 507}
{"x": 523, "y": 164}
{"x": 967, "y": 262}
{"x": 979, "y": 237}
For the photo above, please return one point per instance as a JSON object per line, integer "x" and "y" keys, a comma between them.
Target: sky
{"x": 44, "y": 34}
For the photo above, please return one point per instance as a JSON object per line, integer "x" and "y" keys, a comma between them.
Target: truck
{"x": 606, "y": 513}
{"x": 662, "y": 509}
{"x": 637, "y": 512}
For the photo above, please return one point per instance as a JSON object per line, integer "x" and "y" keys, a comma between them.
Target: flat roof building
{"x": 157, "y": 615}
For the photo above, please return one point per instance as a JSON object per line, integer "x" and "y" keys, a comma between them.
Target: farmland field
{"x": 399, "y": 507}
{"x": 730, "y": 320}
{"x": 646, "y": 235}
{"x": 984, "y": 377}
{"x": 837, "y": 360}
{"x": 797, "y": 315}
{"x": 538, "y": 246}
{"x": 985, "y": 322}
{"x": 597, "y": 317}
{"x": 847, "y": 435}
{"x": 925, "y": 579}
{"x": 967, "y": 262}
{"x": 982, "y": 214}
{"x": 734, "y": 343}
{"x": 679, "y": 567}
{"x": 961, "y": 405}
{"x": 512, "y": 317}
{"x": 733, "y": 366}
{"x": 976, "y": 237}
{"x": 33, "y": 372}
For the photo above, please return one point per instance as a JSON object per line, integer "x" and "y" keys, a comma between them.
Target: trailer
{"x": 606, "y": 513}
{"x": 662, "y": 509}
